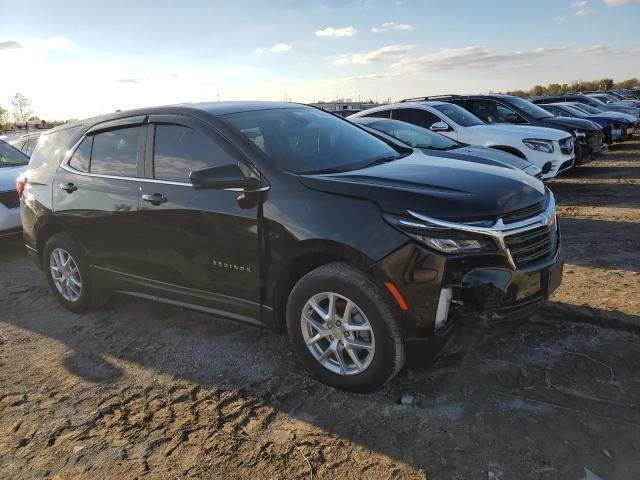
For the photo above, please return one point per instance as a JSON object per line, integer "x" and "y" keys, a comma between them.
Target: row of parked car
{"x": 548, "y": 134}
{"x": 363, "y": 238}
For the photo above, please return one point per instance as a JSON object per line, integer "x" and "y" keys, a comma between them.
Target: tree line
{"x": 581, "y": 86}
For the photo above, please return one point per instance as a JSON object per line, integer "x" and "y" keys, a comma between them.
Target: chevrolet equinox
{"x": 291, "y": 218}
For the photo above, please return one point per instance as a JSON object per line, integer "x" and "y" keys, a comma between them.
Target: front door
{"x": 202, "y": 246}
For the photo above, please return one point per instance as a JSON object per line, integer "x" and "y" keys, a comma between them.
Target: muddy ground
{"x": 139, "y": 390}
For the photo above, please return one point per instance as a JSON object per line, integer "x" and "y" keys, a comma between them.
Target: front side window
{"x": 414, "y": 136}
{"x": 415, "y": 116}
{"x": 309, "y": 141}
{"x": 116, "y": 152}
{"x": 179, "y": 150}
{"x": 11, "y": 157}
{"x": 459, "y": 115}
{"x": 80, "y": 158}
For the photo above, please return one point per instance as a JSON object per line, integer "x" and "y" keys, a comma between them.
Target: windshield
{"x": 597, "y": 101}
{"x": 576, "y": 111}
{"x": 10, "y": 157}
{"x": 307, "y": 141}
{"x": 586, "y": 108}
{"x": 459, "y": 115}
{"x": 529, "y": 108}
{"x": 414, "y": 136}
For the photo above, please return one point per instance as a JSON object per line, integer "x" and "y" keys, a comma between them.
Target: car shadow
{"x": 622, "y": 195}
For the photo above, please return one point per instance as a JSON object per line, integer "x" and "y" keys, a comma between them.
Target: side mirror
{"x": 511, "y": 118}
{"x": 440, "y": 127}
{"x": 225, "y": 177}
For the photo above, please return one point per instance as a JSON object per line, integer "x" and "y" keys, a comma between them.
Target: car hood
{"x": 444, "y": 188}
{"x": 522, "y": 131}
{"x": 572, "y": 123}
{"x": 618, "y": 118}
{"x": 486, "y": 156}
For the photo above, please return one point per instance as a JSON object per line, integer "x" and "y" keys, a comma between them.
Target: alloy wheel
{"x": 337, "y": 333}
{"x": 65, "y": 274}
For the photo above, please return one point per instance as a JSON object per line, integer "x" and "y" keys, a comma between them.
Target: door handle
{"x": 155, "y": 199}
{"x": 69, "y": 187}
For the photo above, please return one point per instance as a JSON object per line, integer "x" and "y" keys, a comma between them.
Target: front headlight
{"x": 580, "y": 134}
{"x": 539, "y": 145}
{"x": 444, "y": 240}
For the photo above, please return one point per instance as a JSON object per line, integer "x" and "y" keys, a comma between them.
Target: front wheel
{"x": 343, "y": 329}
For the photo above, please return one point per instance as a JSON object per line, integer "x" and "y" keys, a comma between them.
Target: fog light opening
{"x": 547, "y": 167}
{"x": 446, "y": 294}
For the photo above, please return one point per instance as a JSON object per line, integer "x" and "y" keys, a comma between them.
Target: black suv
{"x": 291, "y": 218}
{"x": 508, "y": 109}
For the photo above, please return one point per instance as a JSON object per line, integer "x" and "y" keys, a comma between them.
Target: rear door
{"x": 201, "y": 245}
{"x": 95, "y": 193}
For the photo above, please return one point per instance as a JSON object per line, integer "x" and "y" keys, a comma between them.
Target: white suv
{"x": 549, "y": 149}
{"x": 12, "y": 163}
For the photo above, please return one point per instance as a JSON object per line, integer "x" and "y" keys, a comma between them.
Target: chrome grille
{"x": 10, "y": 199}
{"x": 532, "y": 246}
{"x": 522, "y": 213}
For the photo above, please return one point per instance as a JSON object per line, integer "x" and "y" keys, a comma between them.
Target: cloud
{"x": 336, "y": 32}
{"x": 281, "y": 47}
{"x": 277, "y": 48}
{"x": 596, "y": 50}
{"x": 581, "y": 8}
{"x": 129, "y": 80}
{"x": 390, "y": 52}
{"x": 472, "y": 57}
{"x": 618, "y": 3}
{"x": 387, "y": 26}
{"x": 10, "y": 44}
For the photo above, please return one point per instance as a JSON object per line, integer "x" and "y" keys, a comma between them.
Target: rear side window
{"x": 179, "y": 150}
{"x": 80, "y": 159}
{"x": 51, "y": 148}
{"x": 379, "y": 114}
{"x": 31, "y": 146}
{"x": 116, "y": 152}
{"x": 415, "y": 116}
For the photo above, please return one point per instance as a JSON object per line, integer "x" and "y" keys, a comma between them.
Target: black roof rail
{"x": 432, "y": 97}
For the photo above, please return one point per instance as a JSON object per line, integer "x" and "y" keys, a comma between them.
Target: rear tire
{"x": 343, "y": 329}
{"x": 69, "y": 275}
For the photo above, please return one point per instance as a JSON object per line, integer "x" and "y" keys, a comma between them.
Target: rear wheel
{"x": 68, "y": 275}
{"x": 343, "y": 329}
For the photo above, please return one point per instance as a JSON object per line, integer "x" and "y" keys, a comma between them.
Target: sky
{"x": 76, "y": 59}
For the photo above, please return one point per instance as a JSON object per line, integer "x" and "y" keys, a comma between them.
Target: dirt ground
{"x": 140, "y": 390}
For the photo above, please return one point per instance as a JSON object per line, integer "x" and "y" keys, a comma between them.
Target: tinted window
{"x": 415, "y": 116}
{"x": 305, "y": 140}
{"x": 379, "y": 114}
{"x": 459, "y": 115}
{"x": 527, "y": 107}
{"x": 80, "y": 159}
{"x": 116, "y": 152}
{"x": 180, "y": 150}
{"x": 52, "y": 147}
{"x": 11, "y": 157}
{"x": 414, "y": 136}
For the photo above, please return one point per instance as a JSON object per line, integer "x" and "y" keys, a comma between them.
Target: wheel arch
{"x": 310, "y": 255}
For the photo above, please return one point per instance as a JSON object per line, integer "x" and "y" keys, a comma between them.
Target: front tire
{"x": 343, "y": 329}
{"x": 69, "y": 276}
